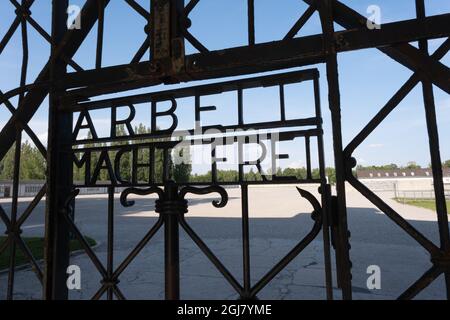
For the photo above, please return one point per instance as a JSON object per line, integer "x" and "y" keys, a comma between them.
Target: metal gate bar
{"x": 169, "y": 64}
{"x": 171, "y": 203}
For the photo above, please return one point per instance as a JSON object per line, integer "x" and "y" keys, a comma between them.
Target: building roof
{"x": 398, "y": 173}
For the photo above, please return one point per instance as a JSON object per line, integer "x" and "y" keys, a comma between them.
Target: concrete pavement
{"x": 279, "y": 219}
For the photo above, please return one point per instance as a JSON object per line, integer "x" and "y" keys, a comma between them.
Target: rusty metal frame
{"x": 172, "y": 205}
{"x": 167, "y": 30}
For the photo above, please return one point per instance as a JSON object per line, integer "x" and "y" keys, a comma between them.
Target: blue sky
{"x": 368, "y": 78}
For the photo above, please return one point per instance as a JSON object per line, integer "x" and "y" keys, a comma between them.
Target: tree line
{"x": 33, "y": 166}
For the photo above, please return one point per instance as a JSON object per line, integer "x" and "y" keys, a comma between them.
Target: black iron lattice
{"x": 172, "y": 66}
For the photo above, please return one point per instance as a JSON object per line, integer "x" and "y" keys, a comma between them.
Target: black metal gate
{"x": 171, "y": 203}
{"x": 167, "y": 30}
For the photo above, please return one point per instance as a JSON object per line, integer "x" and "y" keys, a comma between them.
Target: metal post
{"x": 246, "y": 241}
{"x": 171, "y": 212}
{"x": 433, "y": 134}
{"x": 342, "y": 245}
{"x": 59, "y": 178}
{"x": 110, "y": 244}
{"x": 325, "y": 190}
{"x": 167, "y": 46}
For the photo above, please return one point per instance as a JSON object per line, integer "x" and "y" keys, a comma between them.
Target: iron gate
{"x": 166, "y": 33}
{"x": 171, "y": 204}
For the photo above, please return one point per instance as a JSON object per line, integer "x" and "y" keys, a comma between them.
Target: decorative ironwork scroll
{"x": 171, "y": 204}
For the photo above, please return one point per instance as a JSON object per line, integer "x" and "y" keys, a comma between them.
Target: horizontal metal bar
{"x": 282, "y": 136}
{"x": 199, "y": 184}
{"x": 309, "y": 50}
{"x": 202, "y": 90}
{"x": 260, "y": 57}
{"x": 397, "y": 32}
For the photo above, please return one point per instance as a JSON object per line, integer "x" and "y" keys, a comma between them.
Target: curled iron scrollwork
{"x": 316, "y": 215}
{"x": 141, "y": 192}
{"x": 207, "y": 190}
{"x": 68, "y": 203}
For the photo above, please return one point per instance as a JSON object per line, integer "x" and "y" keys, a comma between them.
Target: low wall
{"x": 414, "y": 188}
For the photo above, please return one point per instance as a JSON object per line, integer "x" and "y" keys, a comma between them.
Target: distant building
{"x": 26, "y": 188}
{"x": 399, "y": 173}
{"x": 31, "y": 188}
{"x": 410, "y": 183}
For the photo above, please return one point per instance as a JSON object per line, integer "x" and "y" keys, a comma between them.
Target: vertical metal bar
{"x": 11, "y": 270}
{"x": 308, "y": 157}
{"x": 60, "y": 175}
{"x": 100, "y": 31}
{"x": 251, "y": 22}
{"x": 166, "y": 165}
{"x": 240, "y": 107}
{"x": 197, "y": 109}
{"x": 326, "y": 197}
{"x": 166, "y": 32}
{"x": 110, "y": 249}
{"x": 154, "y": 106}
{"x": 326, "y": 15}
{"x": 214, "y": 163}
{"x": 282, "y": 103}
{"x": 135, "y": 167}
{"x": 114, "y": 119}
{"x": 241, "y": 159}
{"x": 436, "y": 161}
{"x": 17, "y": 156}
{"x": 14, "y": 207}
{"x": 171, "y": 245}
{"x": 152, "y": 171}
{"x": 246, "y": 240}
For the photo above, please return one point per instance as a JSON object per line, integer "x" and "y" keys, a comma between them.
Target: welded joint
{"x": 441, "y": 261}
{"x": 110, "y": 282}
{"x": 13, "y": 231}
{"x": 23, "y": 12}
{"x": 171, "y": 207}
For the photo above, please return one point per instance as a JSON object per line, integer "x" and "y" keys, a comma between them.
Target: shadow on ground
{"x": 375, "y": 241}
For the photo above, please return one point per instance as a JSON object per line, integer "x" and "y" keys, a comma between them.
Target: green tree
{"x": 412, "y": 165}
{"x": 7, "y": 165}
{"x": 331, "y": 174}
{"x": 182, "y": 168}
{"x": 32, "y": 164}
{"x": 126, "y": 159}
{"x": 227, "y": 175}
{"x": 144, "y": 157}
